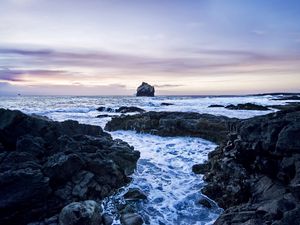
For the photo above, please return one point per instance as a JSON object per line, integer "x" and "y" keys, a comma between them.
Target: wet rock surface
{"x": 145, "y": 89}
{"x": 45, "y": 165}
{"x": 210, "y": 127}
{"x": 255, "y": 175}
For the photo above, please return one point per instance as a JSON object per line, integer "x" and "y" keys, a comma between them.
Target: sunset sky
{"x": 183, "y": 47}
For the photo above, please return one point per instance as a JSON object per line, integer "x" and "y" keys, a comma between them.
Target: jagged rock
{"x": 45, "y": 165}
{"x": 131, "y": 219}
{"x": 145, "y": 90}
{"x": 81, "y": 213}
{"x": 256, "y": 176}
{"x": 214, "y": 128}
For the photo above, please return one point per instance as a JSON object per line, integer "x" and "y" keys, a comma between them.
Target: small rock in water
{"x": 131, "y": 219}
{"x": 127, "y": 109}
{"x": 215, "y": 106}
{"x": 205, "y": 203}
{"x": 166, "y": 104}
{"x": 83, "y": 213}
{"x": 134, "y": 194}
{"x": 105, "y": 109}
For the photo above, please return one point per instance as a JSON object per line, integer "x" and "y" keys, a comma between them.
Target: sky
{"x": 182, "y": 47}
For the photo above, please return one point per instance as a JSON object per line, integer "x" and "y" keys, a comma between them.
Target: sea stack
{"x": 145, "y": 89}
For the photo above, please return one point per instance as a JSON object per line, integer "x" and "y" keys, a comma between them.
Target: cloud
{"x": 197, "y": 62}
{"x": 167, "y": 85}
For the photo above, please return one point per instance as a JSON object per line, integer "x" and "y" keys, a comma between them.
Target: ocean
{"x": 164, "y": 169}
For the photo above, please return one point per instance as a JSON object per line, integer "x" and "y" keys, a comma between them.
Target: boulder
{"x": 131, "y": 219}
{"x": 145, "y": 90}
{"x": 135, "y": 194}
{"x": 81, "y": 213}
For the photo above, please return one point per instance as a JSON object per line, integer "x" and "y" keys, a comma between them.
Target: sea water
{"x": 164, "y": 169}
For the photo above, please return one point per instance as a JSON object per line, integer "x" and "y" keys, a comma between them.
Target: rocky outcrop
{"x": 145, "y": 89}
{"x": 216, "y": 106}
{"x": 210, "y": 127}
{"x": 45, "y": 165}
{"x": 255, "y": 176}
{"x": 247, "y": 106}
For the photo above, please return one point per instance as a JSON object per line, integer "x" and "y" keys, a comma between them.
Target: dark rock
{"x": 287, "y": 106}
{"x": 206, "y": 203}
{"x": 131, "y": 219}
{"x": 200, "y": 168}
{"x": 216, "y": 106}
{"x": 125, "y": 109}
{"x": 214, "y": 128}
{"x": 247, "y": 106}
{"x": 286, "y": 98}
{"x": 145, "y": 90}
{"x": 166, "y": 104}
{"x": 81, "y": 213}
{"x": 45, "y": 165}
{"x": 103, "y": 116}
{"x": 256, "y": 177}
{"x": 135, "y": 194}
{"x": 105, "y": 109}
{"x": 106, "y": 219}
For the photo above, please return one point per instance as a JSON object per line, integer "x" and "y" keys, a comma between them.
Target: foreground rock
{"x": 255, "y": 176}
{"x": 210, "y": 127}
{"x": 247, "y": 106}
{"x": 145, "y": 90}
{"x": 77, "y": 213}
{"x": 131, "y": 219}
{"x": 45, "y": 165}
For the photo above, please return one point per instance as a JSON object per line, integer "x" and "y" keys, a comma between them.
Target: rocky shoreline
{"x": 46, "y": 165}
{"x": 255, "y": 172}
{"x": 255, "y": 175}
{"x": 52, "y": 169}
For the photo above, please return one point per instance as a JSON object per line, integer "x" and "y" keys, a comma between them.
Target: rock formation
{"x": 210, "y": 127}
{"x": 145, "y": 90}
{"x": 45, "y": 165}
{"x": 255, "y": 176}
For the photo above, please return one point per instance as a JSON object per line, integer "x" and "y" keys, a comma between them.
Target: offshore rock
{"x": 145, "y": 89}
